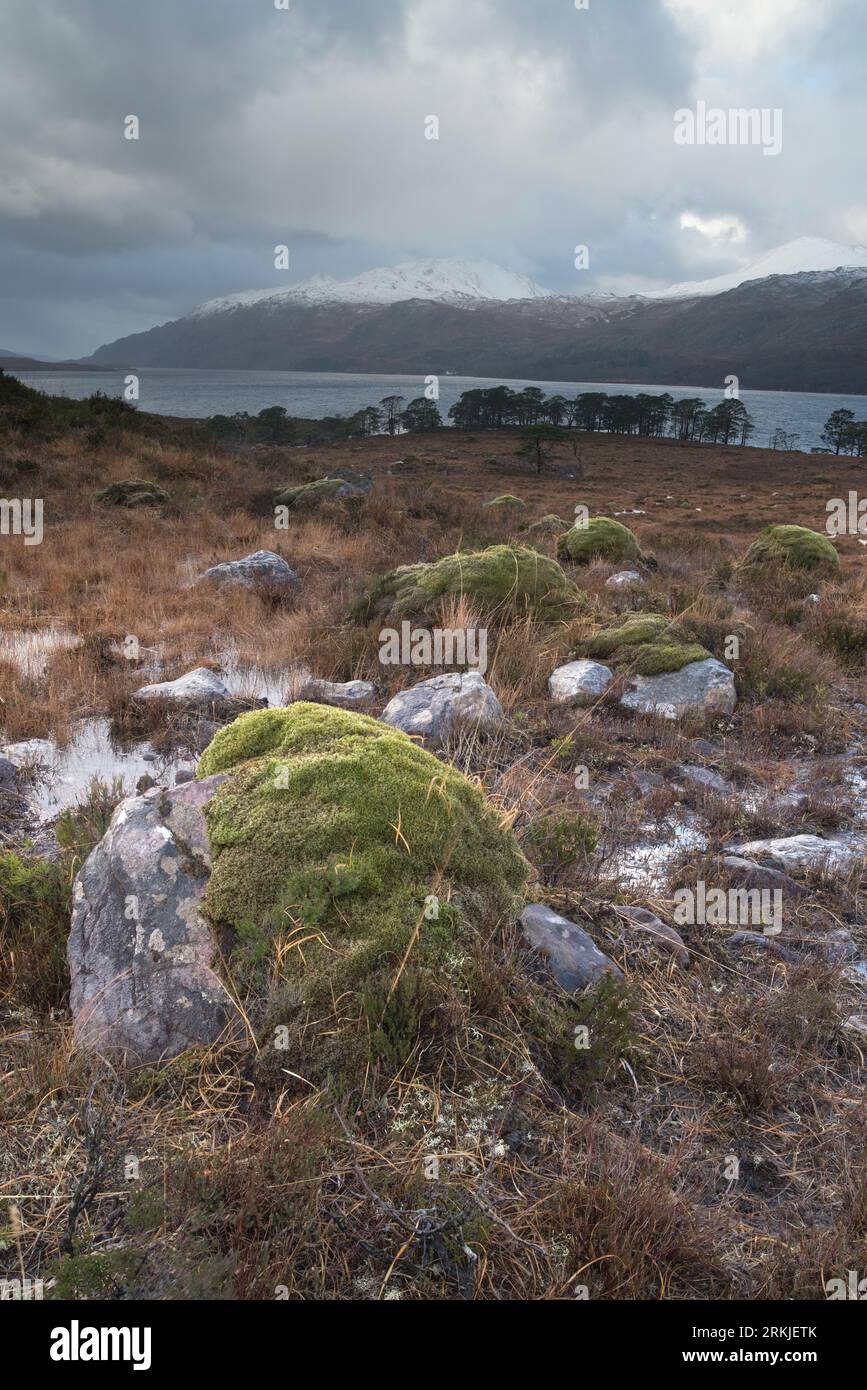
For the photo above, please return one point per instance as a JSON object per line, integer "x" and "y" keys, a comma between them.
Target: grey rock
{"x": 642, "y": 919}
{"x": 263, "y": 570}
{"x": 802, "y": 852}
{"x": 140, "y": 954}
{"x": 432, "y": 707}
{"x": 579, "y": 682}
{"x": 8, "y": 775}
{"x": 572, "y": 956}
{"x": 345, "y": 694}
{"x": 184, "y": 774}
{"x": 744, "y": 873}
{"x": 699, "y": 690}
{"x": 625, "y": 579}
{"x": 705, "y": 777}
{"x": 198, "y": 689}
{"x": 739, "y": 939}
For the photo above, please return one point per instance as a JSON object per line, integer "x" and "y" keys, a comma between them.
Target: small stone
{"x": 200, "y": 688}
{"x": 344, "y": 694}
{"x": 579, "y": 682}
{"x": 432, "y": 707}
{"x": 570, "y": 954}
{"x": 263, "y": 570}
{"x": 744, "y": 873}
{"x": 644, "y": 920}
{"x": 625, "y": 579}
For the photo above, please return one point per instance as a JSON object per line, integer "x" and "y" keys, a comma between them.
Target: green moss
{"x": 507, "y": 500}
{"x": 658, "y": 658}
{"x": 133, "y": 492}
{"x": 634, "y": 631}
{"x": 507, "y": 579}
{"x": 794, "y": 546}
{"x": 342, "y": 485}
{"x": 601, "y": 539}
{"x": 549, "y": 524}
{"x": 648, "y": 643}
{"x": 344, "y": 829}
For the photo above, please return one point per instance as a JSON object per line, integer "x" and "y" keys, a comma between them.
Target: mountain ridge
{"x": 803, "y": 332}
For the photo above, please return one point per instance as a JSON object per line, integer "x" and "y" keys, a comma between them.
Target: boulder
{"x": 792, "y": 547}
{"x": 804, "y": 852}
{"x": 501, "y": 580}
{"x": 600, "y": 538}
{"x": 343, "y": 833}
{"x": 343, "y": 485}
{"x": 432, "y": 707}
{"x": 569, "y": 953}
{"x": 625, "y": 579}
{"x": 701, "y": 689}
{"x": 198, "y": 689}
{"x": 143, "y": 986}
{"x": 579, "y": 682}
{"x": 263, "y": 571}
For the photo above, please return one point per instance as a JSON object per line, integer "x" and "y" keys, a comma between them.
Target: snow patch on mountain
{"x": 805, "y": 254}
{"x": 452, "y": 282}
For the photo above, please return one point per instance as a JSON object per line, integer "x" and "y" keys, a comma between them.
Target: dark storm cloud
{"x": 260, "y": 127}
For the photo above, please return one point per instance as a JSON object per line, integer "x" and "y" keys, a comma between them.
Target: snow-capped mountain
{"x": 450, "y": 282}
{"x": 807, "y": 253}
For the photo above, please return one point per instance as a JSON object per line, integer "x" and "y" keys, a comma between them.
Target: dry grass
{"x": 513, "y": 1181}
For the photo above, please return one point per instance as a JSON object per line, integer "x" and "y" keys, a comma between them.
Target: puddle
{"x": 645, "y": 866}
{"x": 276, "y": 684}
{"x": 66, "y": 773}
{"x": 30, "y": 652}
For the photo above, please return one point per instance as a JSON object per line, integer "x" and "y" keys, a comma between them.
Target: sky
{"x": 305, "y": 126}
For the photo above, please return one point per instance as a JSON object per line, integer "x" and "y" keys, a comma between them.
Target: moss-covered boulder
{"x": 508, "y": 502}
{"x": 648, "y": 643}
{"x": 340, "y": 834}
{"x": 344, "y": 486}
{"x": 795, "y": 547}
{"x": 133, "y": 492}
{"x": 501, "y": 580}
{"x": 601, "y": 539}
{"x": 548, "y": 525}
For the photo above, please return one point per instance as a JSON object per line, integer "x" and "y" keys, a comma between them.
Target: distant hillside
{"x": 805, "y": 332}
